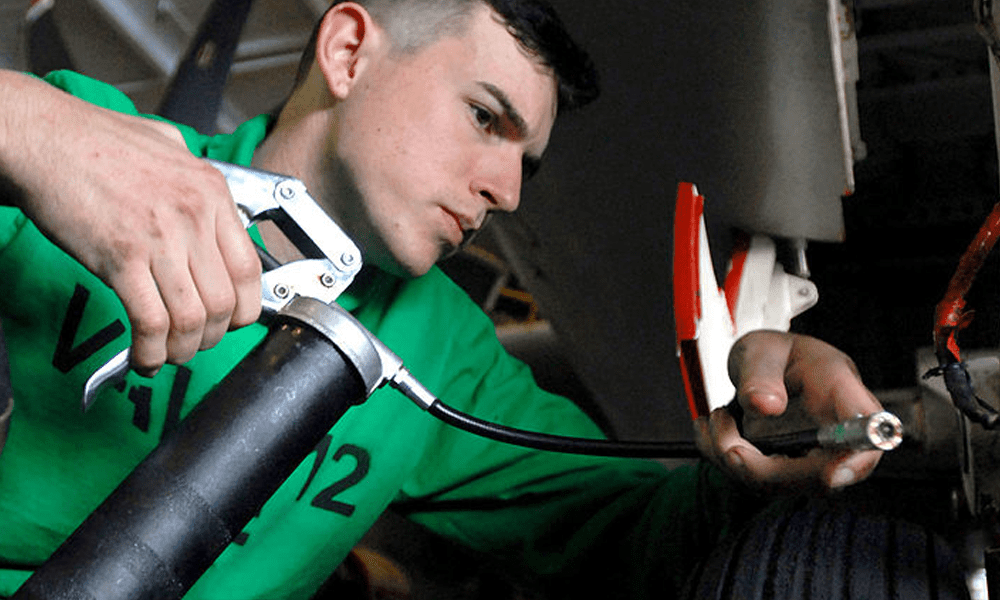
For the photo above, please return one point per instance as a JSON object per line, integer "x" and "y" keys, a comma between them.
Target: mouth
{"x": 461, "y": 229}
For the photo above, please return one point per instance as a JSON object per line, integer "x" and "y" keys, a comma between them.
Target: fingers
{"x": 243, "y": 268}
{"x": 719, "y": 440}
{"x": 757, "y": 364}
{"x": 148, "y": 317}
{"x": 190, "y": 276}
{"x": 217, "y": 286}
{"x": 223, "y": 266}
{"x": 189, "y": 292}
{"x": 828, "y": 381}
{"x": 854, "y": 467}
{"x": 767, "y": 368}
{"x": 227, "y": 281}
{"x": 738, "y": 457}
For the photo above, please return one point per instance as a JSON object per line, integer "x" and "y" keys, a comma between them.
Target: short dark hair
{"x": 534, "y": 23}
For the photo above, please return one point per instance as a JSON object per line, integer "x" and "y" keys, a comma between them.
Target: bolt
{"x": 286, "y": 191}
{"x": 327, "y": 280}
{"x": 347, "y": 259}
{"x": 281, "y": 291}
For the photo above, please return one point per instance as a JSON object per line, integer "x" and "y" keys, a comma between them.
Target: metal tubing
{"x": 172, "y": 517}
{"x": 878, "y": 431}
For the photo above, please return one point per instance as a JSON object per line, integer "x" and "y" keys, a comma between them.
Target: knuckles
{"x": 188, "y": 320}
{"x": 149, "y": 325}
{"x": 219, "y": 303}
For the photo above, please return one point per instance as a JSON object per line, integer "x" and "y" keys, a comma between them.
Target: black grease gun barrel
{"x": 168, "y": 521}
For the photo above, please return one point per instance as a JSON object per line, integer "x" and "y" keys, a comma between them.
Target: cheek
{"x": 427, "y": 158}
{"x": 407, "y": 154}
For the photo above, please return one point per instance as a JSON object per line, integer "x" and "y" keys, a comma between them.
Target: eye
{"x": 484, "y": 117}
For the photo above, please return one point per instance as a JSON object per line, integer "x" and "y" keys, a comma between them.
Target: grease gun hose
{"x": 881, "y": 431}
{"x": 557, "y": 443}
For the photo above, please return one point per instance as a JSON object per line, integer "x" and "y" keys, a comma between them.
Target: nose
{"x": 499, "y": 181}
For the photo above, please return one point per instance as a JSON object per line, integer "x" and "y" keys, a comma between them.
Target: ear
{"x": 343, "y": 44}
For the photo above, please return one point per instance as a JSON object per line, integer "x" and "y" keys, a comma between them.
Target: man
{"x": 414, "y": 120}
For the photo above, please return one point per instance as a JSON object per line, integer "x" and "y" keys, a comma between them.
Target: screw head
{"x": 286, "y": 191}
{"x": 327, "y": 280}
{"x": 281, "y": 290}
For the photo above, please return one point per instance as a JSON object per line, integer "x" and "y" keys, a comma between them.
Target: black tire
{"x": 814, "y": 551}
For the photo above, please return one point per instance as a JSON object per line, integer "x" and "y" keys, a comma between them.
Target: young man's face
{"x": 435, "y": 140}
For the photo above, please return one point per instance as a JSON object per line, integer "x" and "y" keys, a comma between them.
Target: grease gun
{"x": 168, "y": 521}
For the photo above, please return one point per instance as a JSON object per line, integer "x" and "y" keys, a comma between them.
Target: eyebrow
{"x": 508, "y": 108}
{"x": 529, "y": 164}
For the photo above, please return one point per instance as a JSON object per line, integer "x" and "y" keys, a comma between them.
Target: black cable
{"x": 789, "y": 444}
{"x": 557, "y": 443}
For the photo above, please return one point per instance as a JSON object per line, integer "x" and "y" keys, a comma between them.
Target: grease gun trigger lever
{"x": 331, "y": 262}
{"x": 110, "y": 373}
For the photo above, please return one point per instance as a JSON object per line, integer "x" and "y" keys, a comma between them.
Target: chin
{"x": 405, "y": 268}
{"x": 411, "y": 272}
{"x": 395, "y": 262}
{"x": 411, "y": 261}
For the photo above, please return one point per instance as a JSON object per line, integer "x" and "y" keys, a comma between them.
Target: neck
{"x": 296, "y": 148}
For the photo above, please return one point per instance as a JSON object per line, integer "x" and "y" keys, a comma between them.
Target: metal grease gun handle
{"x": 331, "y": 259}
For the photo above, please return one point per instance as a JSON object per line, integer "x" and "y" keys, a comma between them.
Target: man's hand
{"x": 125, "y": 197}
{"x": 767, "y": 367}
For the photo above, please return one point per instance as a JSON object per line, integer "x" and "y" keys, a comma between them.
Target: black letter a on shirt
{"x": 67, "y": 355}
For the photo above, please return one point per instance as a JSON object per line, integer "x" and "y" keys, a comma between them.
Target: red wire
{"x": 950, "y": 316}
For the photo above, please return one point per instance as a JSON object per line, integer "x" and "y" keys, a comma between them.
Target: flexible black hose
{"x": 558, "y": 443}
{"x": 791, "y": 444}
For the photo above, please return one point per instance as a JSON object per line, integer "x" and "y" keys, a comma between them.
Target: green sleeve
{"x": 91, "y": 90}
{"x": 110, "y": 97}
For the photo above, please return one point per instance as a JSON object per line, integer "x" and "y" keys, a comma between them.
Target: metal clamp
{"x": 374, "y": 361}
{"x": 332, "y": 259}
